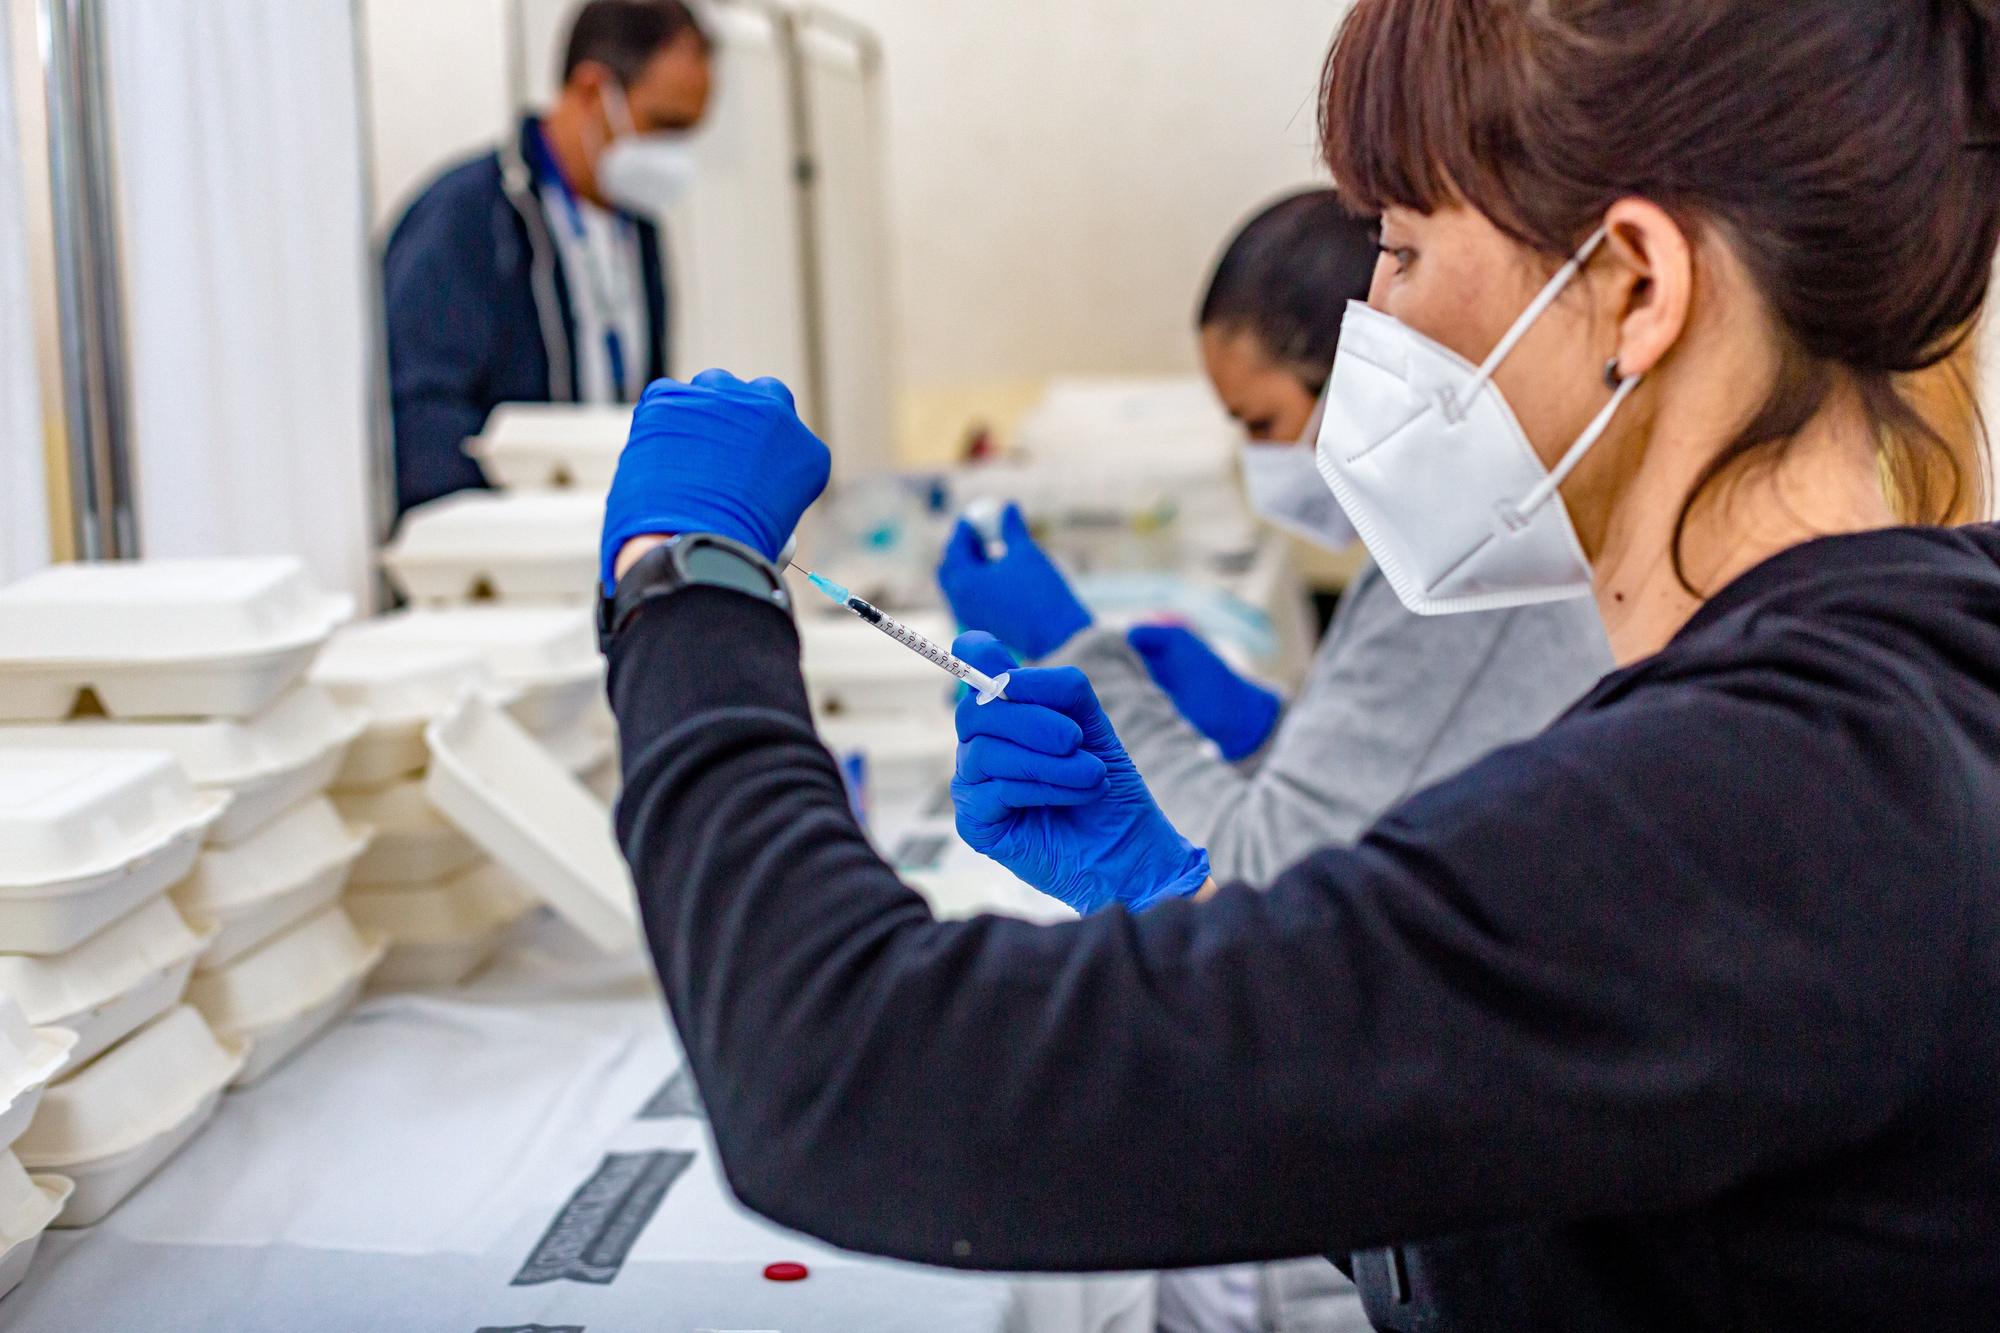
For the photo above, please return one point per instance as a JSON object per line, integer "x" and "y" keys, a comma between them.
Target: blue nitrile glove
{"x": 1045, "y": 788}
{"x": 1021, "y": 599}
{"x": 717, "y": 456}
{"x": 1237, "y": 714}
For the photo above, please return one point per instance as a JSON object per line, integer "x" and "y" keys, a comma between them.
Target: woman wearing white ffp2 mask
{"x": 1392, "y": 702}
{"x": 1678, "y": 1016}
{"x": 1424, "y": 453}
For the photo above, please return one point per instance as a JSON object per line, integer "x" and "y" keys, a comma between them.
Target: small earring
{"x": 1613, "y": 377}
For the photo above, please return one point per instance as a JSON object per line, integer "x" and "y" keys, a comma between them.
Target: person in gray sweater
{"x": 1393, "y": 702}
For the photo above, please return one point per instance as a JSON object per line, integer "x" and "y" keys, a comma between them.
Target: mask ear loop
{"x": 1549, "y": 295}
{"x": 1515, "y": 518}
{"x": 614, "y": 89}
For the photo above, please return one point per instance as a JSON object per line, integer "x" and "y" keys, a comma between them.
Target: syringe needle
{"x": 986, "y": 687}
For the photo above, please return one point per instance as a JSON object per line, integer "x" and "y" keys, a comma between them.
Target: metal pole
{"x": 89, "y": 297}
{"x": 806, "y": 170}
{"x": 381, "y": 438}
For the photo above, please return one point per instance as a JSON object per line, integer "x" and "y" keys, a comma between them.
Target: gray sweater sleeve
{"x": 1393, "y": 704}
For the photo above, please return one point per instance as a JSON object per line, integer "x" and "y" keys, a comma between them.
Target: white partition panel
{"x": 242, "y": 206}
{"x": 739, "y": 284}
{"x": 24, "y": 501}
{"x": 840, "y": 78}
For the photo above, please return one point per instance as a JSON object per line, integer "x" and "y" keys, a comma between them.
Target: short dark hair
{"x": 625, "y": 35}
{"x": 1287, "y": 278}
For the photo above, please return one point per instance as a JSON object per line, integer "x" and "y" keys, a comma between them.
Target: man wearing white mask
{"x": 536, "y": 273}
{"x": 1393, "y": 703}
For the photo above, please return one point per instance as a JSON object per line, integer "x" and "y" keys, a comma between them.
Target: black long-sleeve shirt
{"x": 1685, "y": 1015}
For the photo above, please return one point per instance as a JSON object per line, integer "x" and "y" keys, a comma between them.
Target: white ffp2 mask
{"x": 1286, "y": 490}
{"x": 646, "y": 174}
{"x": 1434, "y": 469}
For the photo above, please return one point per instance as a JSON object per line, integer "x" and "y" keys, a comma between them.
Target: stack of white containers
{"x": 534, "y": 541}
{"x": 543, "y": 446}
{"x": 423, "y": 885}
{"x": 446, "y": 686}
{"x": 169, "y": 865}
{"x": 29, "y": 1059}
{"x": 488, "y": 709}
{"x": 508, "y": 546}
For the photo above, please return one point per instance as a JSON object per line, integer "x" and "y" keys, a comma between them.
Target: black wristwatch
{"x": 692, "y": 560}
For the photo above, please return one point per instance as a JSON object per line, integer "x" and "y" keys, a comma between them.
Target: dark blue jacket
{"x": 1684, "y": 1016}
{"x": 479, "y": 314}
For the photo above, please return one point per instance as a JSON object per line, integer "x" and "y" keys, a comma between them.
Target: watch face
{"x": 721, "y": 566}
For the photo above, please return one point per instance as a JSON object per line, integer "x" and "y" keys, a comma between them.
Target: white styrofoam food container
{"x": 399, "y": 688}
{"x": 267, "y": 764}
{"x": 122, "y": 1117}
{"x": 112, "y": 984}
{"x": 414, "y": 842}
{"x": 440, "y": 934}
{"x": 28, "y": 1204}
{"x": 581, "y": 750}
{"x": 514, "y": 800}
{"x": 161, "y": 638}
{"x": 277, "y": 879}
{"x": 536, "y": 445}
{"x": 88, "y": 835}
{"x": 280, "y": 996}
{"x": 544, "y": 658}
{"x": 606, "y": 781}
{"x": 512, "y": 547}
{"x": 30, "y": 1059}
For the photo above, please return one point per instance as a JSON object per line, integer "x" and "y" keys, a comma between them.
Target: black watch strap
{"x": 692, "y": 560}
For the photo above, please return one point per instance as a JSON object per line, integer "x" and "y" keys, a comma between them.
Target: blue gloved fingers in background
{"x": 965, "y": 547}
{"x": 1238, "y": 715}
{"x": 989, "y": 759}
{"x": 1014, "y": 527}
{"x": 1021, "y": 598}
{"x": 1154, "y": 642}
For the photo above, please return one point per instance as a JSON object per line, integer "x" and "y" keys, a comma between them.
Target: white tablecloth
{"x": 497, "y": 1158}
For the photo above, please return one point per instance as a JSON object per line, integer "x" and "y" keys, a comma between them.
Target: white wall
{"x": 1063, "y": 172}
{"x": 24, "y": 498}
{"x": 439, "y": 87}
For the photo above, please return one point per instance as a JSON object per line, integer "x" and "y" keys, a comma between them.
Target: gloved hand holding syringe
{"x": 984, "y": 686}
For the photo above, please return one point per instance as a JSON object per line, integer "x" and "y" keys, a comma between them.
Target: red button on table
{"x": 786, "y": 1273}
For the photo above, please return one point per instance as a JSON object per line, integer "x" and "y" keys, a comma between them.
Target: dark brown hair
{"x": 1846, "y": 150}
{"x": 625, "y": 35}
{"x": 1286, "y": 279}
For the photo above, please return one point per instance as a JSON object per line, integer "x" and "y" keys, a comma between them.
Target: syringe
{"x": 984, "y": 686}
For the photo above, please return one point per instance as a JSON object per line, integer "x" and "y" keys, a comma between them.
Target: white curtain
{"x": 24, "y": 507}
{"x": 248, "y": 277}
